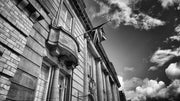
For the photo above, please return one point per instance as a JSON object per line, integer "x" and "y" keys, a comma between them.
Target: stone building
{"x": 49, "y": 52}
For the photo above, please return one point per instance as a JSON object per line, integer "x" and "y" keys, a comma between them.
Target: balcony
{"x": 63, "y": 45}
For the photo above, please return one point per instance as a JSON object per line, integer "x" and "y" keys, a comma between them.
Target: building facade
{"x": 45, "y": 54}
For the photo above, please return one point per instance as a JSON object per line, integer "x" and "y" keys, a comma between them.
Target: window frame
{"x": 68, "y": 80}
{"x": 60, "y": 18}
{"x": 48, "y": 80}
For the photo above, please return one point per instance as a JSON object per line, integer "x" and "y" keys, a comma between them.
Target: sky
{"x": 143, "y": 44}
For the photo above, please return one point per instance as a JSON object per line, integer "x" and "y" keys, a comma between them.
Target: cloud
{"x": 134, "y": 96}
{"x": 103, "y": 10}
{"x": 177, "y": 36}
{"x": 120, "y": 12}
{"x": 150, "y": 88}
{"x": 170, "y": 59}
{"x": 153, "y": 90}
{"x": 153, "y": 68}
{"x": 167, "y": 3}
{"x": 177, "y": 29}
{"x": 164, "y": 57}
{"x": 127, "y": 69}
{"x": 173, "y": 71}
{"x": 132, "y": 83}
{"x": 120, "y": 78}
{"x": 145, "y": 88}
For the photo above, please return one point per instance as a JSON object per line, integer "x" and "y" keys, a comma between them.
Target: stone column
{"x": 99, "y": 81}
{"x": 115, "y": 92}
{"x": 108, "y": 86}
{"x": 85, "y": 98}
{"x": 12, "y": 42}
{"x": 95, "y": 81}
{"x": 55, "y": 86}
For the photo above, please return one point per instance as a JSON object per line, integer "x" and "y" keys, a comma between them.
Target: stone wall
{"x": 15, "y": 27}
{"x": 23, "y": 47}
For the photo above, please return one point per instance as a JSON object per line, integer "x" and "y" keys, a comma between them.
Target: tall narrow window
{"x": 63, "y": 87}
{"x": 43, "y": 82}
{"x": 66, "y": 18}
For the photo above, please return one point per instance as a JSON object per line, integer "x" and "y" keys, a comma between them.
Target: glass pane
{"x": 63, "y": 85}
{"x": 63, "y": 12}
{"x": 69, "y": 21}
{"x": 65, "y": 19}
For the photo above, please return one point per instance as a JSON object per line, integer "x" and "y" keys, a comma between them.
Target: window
{"x": 64, "y": 87}
{"x": 66, "y": 18}
{"x": 43, "y": 82}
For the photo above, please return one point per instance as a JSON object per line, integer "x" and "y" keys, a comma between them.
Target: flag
{"x": 99, "y": 34}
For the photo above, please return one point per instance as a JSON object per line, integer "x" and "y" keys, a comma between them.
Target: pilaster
{"x": 99, "y": 80}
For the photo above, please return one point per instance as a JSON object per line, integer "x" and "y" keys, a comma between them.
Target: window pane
{"x": 63, "y": 87}
{"x": 65, "y": 19}
{"x": 63, "y": 12}
{"x": 69, "y": 20}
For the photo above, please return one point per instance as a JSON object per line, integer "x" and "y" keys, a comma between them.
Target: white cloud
{"x": 132, "y": 83}
{"x": 173, "y": 71}
{"x": 177, "y": 29}
{"x": 120, "y": 78}
{"x": 150, "y": 87}
{"x": 175, "y": 37}
{"x": 156, "y": 90}
{"x": 161, "y": 57}
{"x": 145, "y": 88}
{"x": 167, "y": 3}
{"x": 120, "y": 13}
{"x": 103, "y": 10}
{"x": 153, "y": 68}
{"x": 170, "y": 60}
